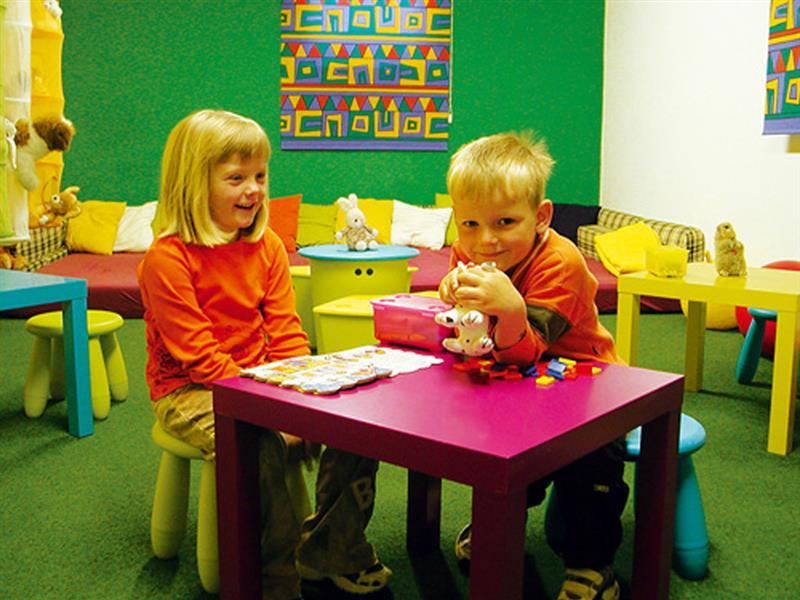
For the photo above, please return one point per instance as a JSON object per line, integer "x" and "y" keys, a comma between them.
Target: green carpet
{"x": 75, "y": 513}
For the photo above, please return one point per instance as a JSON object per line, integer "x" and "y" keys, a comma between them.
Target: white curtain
{"x": 17, "y": 88}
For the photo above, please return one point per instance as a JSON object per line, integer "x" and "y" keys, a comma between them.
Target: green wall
{"x": 133, "y": 68}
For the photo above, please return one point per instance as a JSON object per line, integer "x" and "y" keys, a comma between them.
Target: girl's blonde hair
{"x": 199, "y": 142}
{"x": 504, "y": 166}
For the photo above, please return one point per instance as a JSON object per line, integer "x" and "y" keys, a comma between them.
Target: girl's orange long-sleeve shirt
{"x": 210, "y": 312}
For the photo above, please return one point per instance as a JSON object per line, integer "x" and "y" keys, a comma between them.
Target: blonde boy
{"x": 540, "y": 299}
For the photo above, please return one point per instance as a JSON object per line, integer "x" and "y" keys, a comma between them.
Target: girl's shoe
{"x": 365, "y": 581}
{"x": 588, "y": 584}
{"x": 463, "y": 545}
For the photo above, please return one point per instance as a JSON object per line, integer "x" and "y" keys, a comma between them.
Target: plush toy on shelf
{"x": 729, "y": 252}
{"x": 357, "y": 234}
{"x": 45, "y": 135}
{"x": 56, "y": 209}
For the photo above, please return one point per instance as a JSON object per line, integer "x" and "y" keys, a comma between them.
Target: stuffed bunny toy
{"x": 357, "y": 234}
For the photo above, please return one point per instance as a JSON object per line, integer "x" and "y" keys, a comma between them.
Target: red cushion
{"x": 743, "y": 317}
{"x": 283, "y": 219}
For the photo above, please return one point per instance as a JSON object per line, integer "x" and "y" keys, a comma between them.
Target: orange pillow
{"x": 283, "y": 219}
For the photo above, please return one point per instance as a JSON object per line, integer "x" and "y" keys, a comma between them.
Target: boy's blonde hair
{"x": 503, "y": 166}
{"x": 199, "y": 142}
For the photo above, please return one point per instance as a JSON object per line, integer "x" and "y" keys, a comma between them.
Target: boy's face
{"x": 501, "y": 231}
{"x": 238, "y": 189}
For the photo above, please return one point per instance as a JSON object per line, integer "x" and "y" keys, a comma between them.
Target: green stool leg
{"x": 207, "y": 548}
{"x": 298, "y": 491}
{"x": 58, "y": 389}
{"x": 168, "y": 520}
{"x": 37, "y": 383}
{"x": 115, "y": 367}
{"x": 101, "y": 397}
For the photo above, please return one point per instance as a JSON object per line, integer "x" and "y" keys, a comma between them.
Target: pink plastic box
{"x": 408, "y": 320}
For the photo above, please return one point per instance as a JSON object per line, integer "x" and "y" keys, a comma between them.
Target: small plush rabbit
{"x": 729, "y": 252}
{"x": 357, "y": 234}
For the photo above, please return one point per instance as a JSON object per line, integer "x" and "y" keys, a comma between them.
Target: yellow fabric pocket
{"x": 623, "y": 250}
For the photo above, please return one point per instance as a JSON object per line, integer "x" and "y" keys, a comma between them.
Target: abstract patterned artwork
{"x": 365, "y": 74}
{"x": 782, "y": 103}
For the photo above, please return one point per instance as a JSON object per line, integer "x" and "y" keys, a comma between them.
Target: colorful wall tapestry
{"x": 365, "y": 74}
{"x": 782, "y": 108}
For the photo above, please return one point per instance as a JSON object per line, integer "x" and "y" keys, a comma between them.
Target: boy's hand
{"x": 490, "y": 291}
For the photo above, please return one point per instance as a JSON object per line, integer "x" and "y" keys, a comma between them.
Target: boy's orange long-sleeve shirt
{"x": 211, "y": 311}
{"x": 559, "y": 292}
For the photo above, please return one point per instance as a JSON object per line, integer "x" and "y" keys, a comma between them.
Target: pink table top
{"x": 494, "y": 434}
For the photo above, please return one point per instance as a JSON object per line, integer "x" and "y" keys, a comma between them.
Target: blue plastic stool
{"x": 690, "y": 536}
{"x": 750, "y": 353}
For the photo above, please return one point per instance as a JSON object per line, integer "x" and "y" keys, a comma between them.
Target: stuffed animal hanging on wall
{"x": 357, "y": 234}
{"x": 57, "y": 208}
{"x": 729, "y": 252}
{"x": 47, "y": 134}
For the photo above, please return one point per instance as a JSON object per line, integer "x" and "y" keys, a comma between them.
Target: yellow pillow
{"x": 623, "y": 250}
{"x": 377, "y": 213}
{"x": 445, "y": 201}
{"x": 718, "y": 316}
{"x": 95, "y": 229}
{"x": 315, "y": 224}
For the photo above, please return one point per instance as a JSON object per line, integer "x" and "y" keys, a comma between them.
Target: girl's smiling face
{"x": 238, "y": 190}
{"x": 500, "y": 231}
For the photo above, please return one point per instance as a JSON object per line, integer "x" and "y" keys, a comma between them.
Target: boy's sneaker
{"x": 588, "y": 584}
{"x": 365, "y": 581}
{"x": 463, "y": 545}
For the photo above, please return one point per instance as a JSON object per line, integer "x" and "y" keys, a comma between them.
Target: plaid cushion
{"x": 45, "y": 246}
{"x": 586, "y": 235}
{"x": 683, "y": 236}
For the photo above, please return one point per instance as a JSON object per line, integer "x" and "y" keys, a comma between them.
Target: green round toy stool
{"x": 107, "y": 374}
{"x": 168, "y": 519}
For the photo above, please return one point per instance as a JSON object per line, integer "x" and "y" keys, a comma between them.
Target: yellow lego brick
{"x": 545, "y": 380}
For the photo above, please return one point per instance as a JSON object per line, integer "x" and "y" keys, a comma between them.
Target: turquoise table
{"x": 337, "y": 272}
{"x": 19, "y": 290}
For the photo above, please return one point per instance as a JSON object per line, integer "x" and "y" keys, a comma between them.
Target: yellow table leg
{"x": 695, "y": 345}
{"x": 784, "y": 384}
{"x": 627, "y": 341}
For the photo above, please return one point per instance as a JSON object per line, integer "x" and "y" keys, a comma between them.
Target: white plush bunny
{"x": 357, "y": 234}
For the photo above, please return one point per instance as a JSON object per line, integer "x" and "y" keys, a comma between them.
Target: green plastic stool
{"x": 171, "y": 501}
{"x": 108, "y": 376}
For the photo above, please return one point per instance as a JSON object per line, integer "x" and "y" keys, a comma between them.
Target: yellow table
{"x": 762, "y": 288}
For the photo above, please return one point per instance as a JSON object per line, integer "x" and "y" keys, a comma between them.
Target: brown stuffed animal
{"x": 33, "y": 142}
{"x": 53, "y": 211}
{"x": 11, "y": 261}
{"x": 729, "y": 252}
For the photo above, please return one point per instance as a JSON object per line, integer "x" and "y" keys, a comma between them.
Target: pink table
{"x": 496, "y": 437}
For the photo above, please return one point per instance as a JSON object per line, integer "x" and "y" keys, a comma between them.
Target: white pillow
{"x": 418, "y": 226}
{"x": 134, "y": 233}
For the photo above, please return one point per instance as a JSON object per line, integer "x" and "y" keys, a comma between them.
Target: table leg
{"x": 627, "y": 341}
{"x": 76, "y": 368}
{"x": 423, "y": 512}
{"x": 784, "y": 384}
{"x": 695, "y": 345}
{"x": 498, "y": 545}
{"x": 238, "y": 513}
{"x": 655, "y": 507}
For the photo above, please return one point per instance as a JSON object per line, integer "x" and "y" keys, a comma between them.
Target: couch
{"x": 113, "y": 286}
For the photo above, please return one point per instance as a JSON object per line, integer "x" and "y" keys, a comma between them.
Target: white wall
{"x": 683, "y": 106}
